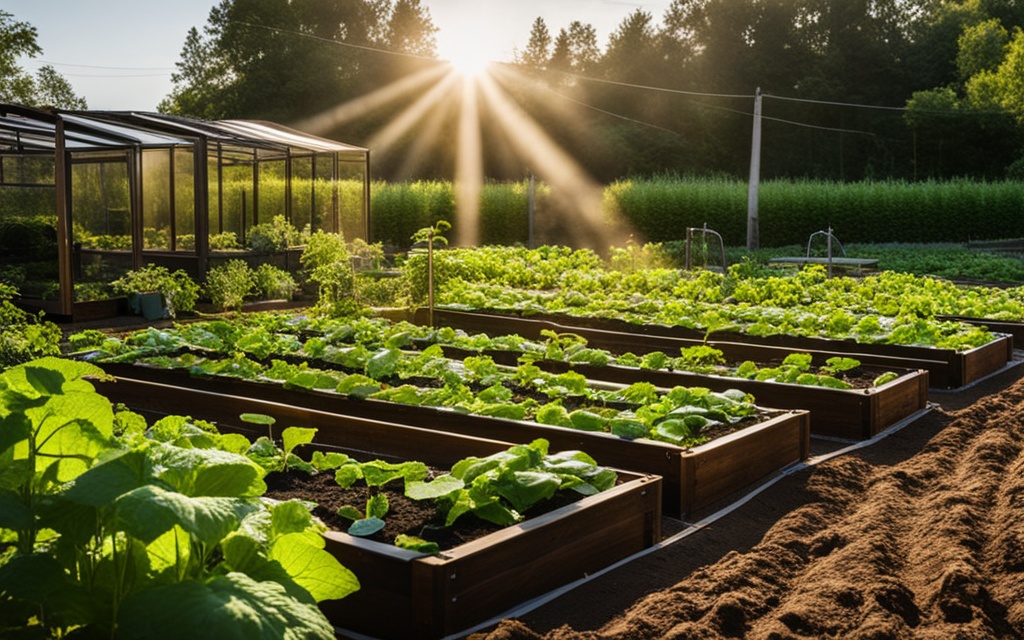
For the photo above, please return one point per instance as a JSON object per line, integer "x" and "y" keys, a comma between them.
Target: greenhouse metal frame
{"x": 87, "y": 195}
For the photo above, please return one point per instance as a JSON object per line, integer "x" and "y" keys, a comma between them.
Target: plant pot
{"x": 151, "y": 305}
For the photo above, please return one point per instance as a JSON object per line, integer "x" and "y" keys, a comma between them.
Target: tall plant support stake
{"x": 753, "y": 234}
{"x": 531, "y": 207}
{"x": 430, "y": 279}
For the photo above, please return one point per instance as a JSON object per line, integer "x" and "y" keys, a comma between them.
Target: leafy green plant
{"x": 24, "y": 336}
{"x": 699, "y": 359}
{"x": 502, "y": 486}
{"x": 117, "y": 535}
{"x": 375, "y": 474}
{"x": 328, "y": 266}
{"x": 273, "y": 283}
{"x": 225, "y": 241}
{"x": 180, "y": 292}
{"x": 265, "y": 452}
{"x": 276, "y": 235}
{"x": 229, "y": 284}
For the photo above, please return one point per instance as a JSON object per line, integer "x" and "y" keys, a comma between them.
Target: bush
{"x": 273, "y": 283}
{"x": 376, "y": 291}
{"x": 229, "y": 284}
{"x": 223, "y": 241}
{"x": 24, "y": 336}
{"x": 179, "y": 290}
{"x": 276, "y": 235}
{"x": 328, "y": 266}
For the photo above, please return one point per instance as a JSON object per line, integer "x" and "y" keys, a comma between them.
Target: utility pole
{"x": 753, "y": 234}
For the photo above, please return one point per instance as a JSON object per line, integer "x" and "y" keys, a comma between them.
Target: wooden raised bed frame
{"x": 692, "y": 479}
{"x": 849, "y": 414}
{"x": 408, "y": 595}
{"x": 946, "y": 368}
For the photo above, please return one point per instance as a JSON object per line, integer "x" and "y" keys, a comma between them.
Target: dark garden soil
{"x": 411, "y": 517}
{"x": 919, "y": 535}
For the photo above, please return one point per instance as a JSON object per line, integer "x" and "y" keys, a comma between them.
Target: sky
{"x": 120, "y": 54}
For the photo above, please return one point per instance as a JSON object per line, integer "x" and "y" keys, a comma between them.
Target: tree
{"x": 632, "y": 52}
{"x": 200, "y": 81}
{"x": 969, "y": 128}
{"x": 287, "y": 59}
{"x": 576, "y": 49}
{"x": 410, "y": 30}
{"x": 538, "y": 47}
{"x": 1003, "y": 87}
{"x": 48, "y": 88}
{"x": 53, "y": 90}
{"x": 981, "y": 47}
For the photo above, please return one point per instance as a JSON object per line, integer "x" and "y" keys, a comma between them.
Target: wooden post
{"x": 753, "y": 233}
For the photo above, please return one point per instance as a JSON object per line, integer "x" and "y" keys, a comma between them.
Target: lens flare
{"x": 442, "y": 105}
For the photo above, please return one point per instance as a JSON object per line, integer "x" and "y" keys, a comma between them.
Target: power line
{"x": 93, "y": 66}
{"x": 834, "y": 103}
{"x": 340, "y": 43}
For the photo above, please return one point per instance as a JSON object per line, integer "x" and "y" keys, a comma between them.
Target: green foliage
{"x": 273, "y": 283}
{"x": 327, "y": 264}
{"x": 276, "y": 235}
{"x": 179, "y": 290}
{"x": 224, "y": 241}
{"x": 229, "y": 284}
{"x": 24, "y": 336}
{"x": 47, "y": 89}
{"x": 502, "y": 486}
{"x": 119, "y": 535}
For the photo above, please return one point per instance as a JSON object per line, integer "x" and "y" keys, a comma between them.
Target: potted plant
{"x": 155, "y": 292}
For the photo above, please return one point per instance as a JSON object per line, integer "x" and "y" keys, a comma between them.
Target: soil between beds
{"x": 920, "y": 535}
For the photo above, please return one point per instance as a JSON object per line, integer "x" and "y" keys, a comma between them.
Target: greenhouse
{"x": 86, "y": 196}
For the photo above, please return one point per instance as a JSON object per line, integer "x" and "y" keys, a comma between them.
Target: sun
{"x": 469, "y": 51}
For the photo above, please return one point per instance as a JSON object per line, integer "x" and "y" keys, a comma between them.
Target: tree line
{"x": 852, "y": 89}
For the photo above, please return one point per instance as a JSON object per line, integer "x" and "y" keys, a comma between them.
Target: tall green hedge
{"x": 660, "y": 210}
{"x": 788, "y": 211}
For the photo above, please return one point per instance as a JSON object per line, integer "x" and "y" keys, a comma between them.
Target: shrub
{"x": 229, "y": 284}
{"x": 179, "y": 290}
{"x": 223, "y": 241}
{"x": 276, "y": 235}
{"x": 328, "y": 266}
{"x": 273, "y": 283}
{"x": 24, "y": 336}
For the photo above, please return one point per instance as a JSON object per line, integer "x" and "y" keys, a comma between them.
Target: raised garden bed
{"x": 946, "y": 368}
{"x": 693, "y": 479}
{"x": 850, "y": 414}
{"x": 1015, "y": 329}
{"x": 405, "y": 594}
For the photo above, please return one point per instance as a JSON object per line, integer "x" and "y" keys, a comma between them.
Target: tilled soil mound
{"x": 920, "y": 535}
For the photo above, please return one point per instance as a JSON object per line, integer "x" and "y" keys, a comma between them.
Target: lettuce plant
{"x": 500, "y": 487}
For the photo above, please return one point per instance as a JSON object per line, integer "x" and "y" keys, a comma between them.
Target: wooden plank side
{"x": 382, "y": 606}
{"x": 895, "y": 401}
{"x": 719, "y": 471}
{"x": 986, "y": 359}
{"x": 355, "y": 435}
{"x": 644, "y": 339}
{"x": 539, "y": 557}
{"x": 644, "y": 456}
